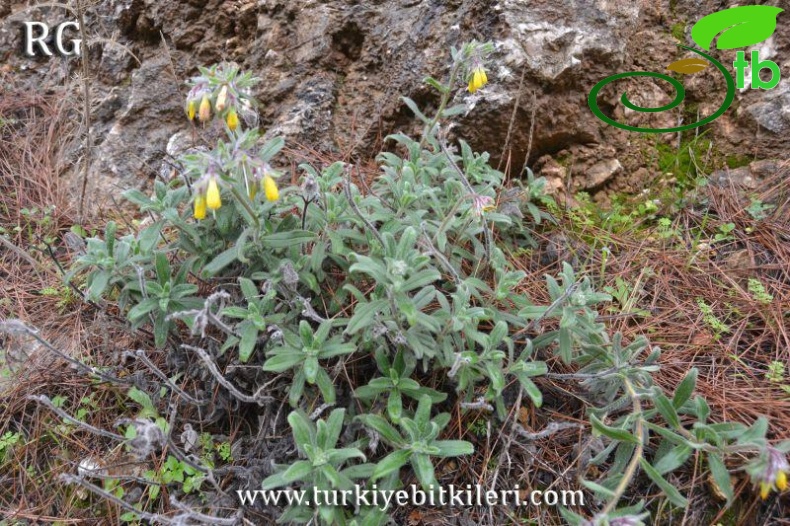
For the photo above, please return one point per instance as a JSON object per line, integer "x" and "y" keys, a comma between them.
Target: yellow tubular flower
{"x": 205, "y": 109}
{"x": 781, "y": 481}
{"x": 765, "y": 489}
{"x": 232, "y": 120}
{"x": 213, "y": 199}
{"x": 191, "y": 110}
{"x": 478, "y": 79}
{"x": 472, "y": 85}
{"x": 270, "y": 188}
{"x": 222, "y": 99}
{"x": 200, "y": 206}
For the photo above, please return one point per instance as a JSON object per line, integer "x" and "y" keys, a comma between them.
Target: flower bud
{"x": 232, "y": 120}
{"x": 191, "y": 109}
{"x": 200, "y": 207}
{"x": 765, "y": 490}
{"x": 213, "y": 199}
{"x": 781, "y": 481}
{"x": 205, "y": 109}
{"x": 270, "y": 188}
{"x": 222, "y": 99}
{"x": 310, "y": 189}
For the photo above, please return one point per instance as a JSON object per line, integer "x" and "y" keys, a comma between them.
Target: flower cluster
{"x": 222, "y": 92}
{"x": 203, "y": 109}
{"x": 208, "y": 195}
{"x": 219, "y": 91}
{"x": 262, "y": 176}
{"x": 471, "y": 57}
{"x": 482, "y": 204}
{"x": 769, "y": 471}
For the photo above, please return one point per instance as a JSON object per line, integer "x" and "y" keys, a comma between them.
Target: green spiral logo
{"x": 680, "y": 94}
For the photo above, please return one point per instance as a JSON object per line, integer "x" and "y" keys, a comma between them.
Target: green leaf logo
{"x": 739, "y": 26}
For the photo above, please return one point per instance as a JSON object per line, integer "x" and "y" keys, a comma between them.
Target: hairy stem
{"x": 630, "y": 470}
{"x": 246, "y": 206}
{"x": 257, "y": 398}
{"x": 443, "y": 103}
{"x": 140, "y": 355}
{"x": 486, "y": 232}
{"x": 353, "y": 205}
{"x": 44, "y": 399}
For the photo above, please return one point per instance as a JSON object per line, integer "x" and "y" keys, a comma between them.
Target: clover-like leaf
{"x": 687, "y": 66}
{"x": 739, "y": 26}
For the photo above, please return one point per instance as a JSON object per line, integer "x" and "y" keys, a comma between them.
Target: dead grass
{"x": 36, "y": 210}
{"x": 36, "y": 206}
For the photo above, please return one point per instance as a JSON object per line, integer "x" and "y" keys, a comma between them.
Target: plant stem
{"x": 443, "y": 103}
{"x": 630, "y": 470}
{"x": 257, "y": 398}
{"x": 304, "y": 211}
{"x": 44, "y": 399}
{"x": 449, "y": 215}
{"x": 246, "y": 206}
{"x": 358, "y": 212}
{"x": 489, "y": 242}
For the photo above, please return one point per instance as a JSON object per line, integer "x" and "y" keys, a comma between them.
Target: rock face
{"x": 332, "y": 74}
{"x": 747, "y": 177}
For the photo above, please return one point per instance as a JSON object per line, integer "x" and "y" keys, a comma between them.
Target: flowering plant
{"x": 399, "y": 303}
